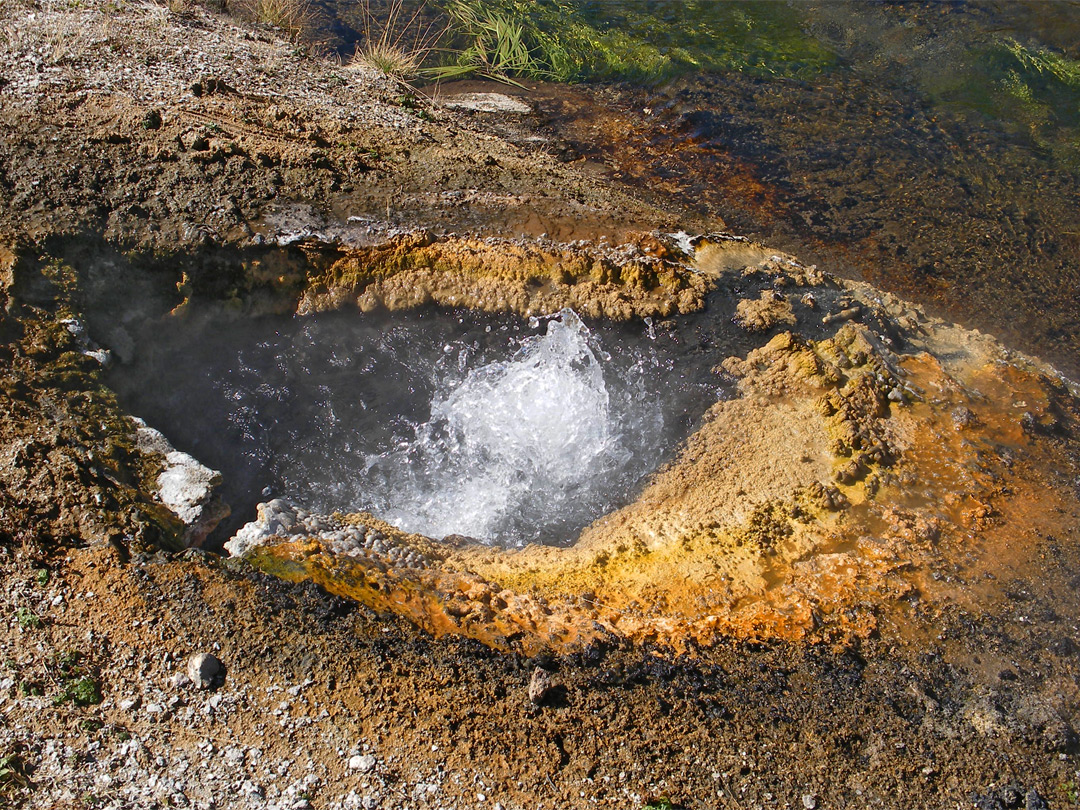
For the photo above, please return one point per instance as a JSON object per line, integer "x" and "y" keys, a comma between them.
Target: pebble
{"x": 539, "y": 685}
{"x": 203, "y": 669}
{"x": 809, "y": 801}
{"x": 364, "y": 763}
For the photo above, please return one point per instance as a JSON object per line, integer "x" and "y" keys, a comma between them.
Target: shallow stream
{"x": 930, "y": 148}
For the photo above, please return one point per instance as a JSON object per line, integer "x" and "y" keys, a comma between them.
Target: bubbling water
{"x": 521, "y": 446}
{"x": 445, "y": 423}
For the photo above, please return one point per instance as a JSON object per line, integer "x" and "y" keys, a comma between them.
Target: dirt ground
{"x": 182, "y": 156}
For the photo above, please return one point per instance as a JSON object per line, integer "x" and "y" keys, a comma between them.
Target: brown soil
{"x": 855, "y": 587}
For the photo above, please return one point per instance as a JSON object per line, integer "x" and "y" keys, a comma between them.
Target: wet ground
{"x": 874, "y": 169}
{"x": 929, "y": 148}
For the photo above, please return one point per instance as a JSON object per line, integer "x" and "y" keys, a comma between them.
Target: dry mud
{"x": 855, "y": 585}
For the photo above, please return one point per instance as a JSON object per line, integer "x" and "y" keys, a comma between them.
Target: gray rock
{"x": 276, "y": 518}
{"x": 185, "y": 487}
{"x": 1059, "y": 736}
{"x": 204, "y": 669}
{"x": 487, "y": 103}
{"x": 365, "y": 763}
{"x": 809, "y": 801}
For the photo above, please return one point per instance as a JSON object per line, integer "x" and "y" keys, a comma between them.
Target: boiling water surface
{"x": 493, "y": 428}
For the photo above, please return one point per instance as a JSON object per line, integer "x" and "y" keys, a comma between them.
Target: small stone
{"x": 203, "y": 669}
{"x": 365, "y": 763}
{"x": 252, "y": 790}
{"x": 809, "y": 801}
{"x": 1059, "y": 736}
{"x": 962, "y": 417}
{"x": 539, "y": 685}
{"x": 1010, "y": 796}
{"x": 1035, "y": 802}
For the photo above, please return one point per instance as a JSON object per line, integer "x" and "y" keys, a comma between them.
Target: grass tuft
{"x": 12, "y": 774}
{"x": 391, "y": 60}
{"x": 396, "y": 45}
{"x": 497, "y": 47}
{"x": 295, "y": 17}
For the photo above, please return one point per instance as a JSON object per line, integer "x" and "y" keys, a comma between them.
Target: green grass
{"x": 1070, "y": 792}
{"x": 494, "y": 45}
{"x": 80, "y": 691}
{"x": 645, "y": 43}
{"x": 1035, "y": 92}
{"x": 29, "y": 689}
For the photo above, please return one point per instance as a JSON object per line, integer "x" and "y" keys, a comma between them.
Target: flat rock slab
{"x": 487, "y": 103}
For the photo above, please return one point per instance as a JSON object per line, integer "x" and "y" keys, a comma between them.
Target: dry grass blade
{"x": 391, "y": 60}
{"x": 394, "y": 45}
{"x": 295, "y": 17}
{"x": 12, "y": 774}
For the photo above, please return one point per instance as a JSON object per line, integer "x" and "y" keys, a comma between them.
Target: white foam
{"x": 515, "y": 443}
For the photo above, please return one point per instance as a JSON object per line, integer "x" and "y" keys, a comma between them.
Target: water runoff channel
{"x": 498, "y": 429}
